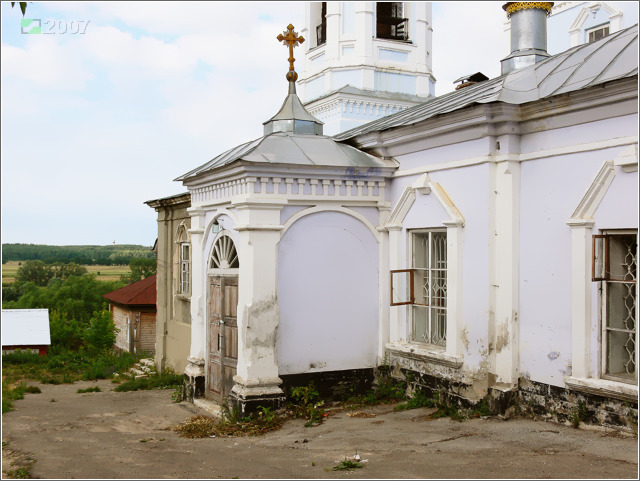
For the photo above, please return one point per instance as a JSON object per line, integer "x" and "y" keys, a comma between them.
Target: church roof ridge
{"x": 611, "y": 58}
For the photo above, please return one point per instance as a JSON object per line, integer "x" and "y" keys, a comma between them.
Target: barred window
{"x": 424, "y": 287}
{"x": 615, "y": 266}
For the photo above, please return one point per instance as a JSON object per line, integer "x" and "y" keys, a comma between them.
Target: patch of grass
{"x": 347, "y": 465}
{"x": 418, "y": 400}
{"x": 164, "y": 380}
{"x": 13, "y": 392}
{"x": 20, "y": 473}
{"x": 89, "y": 389}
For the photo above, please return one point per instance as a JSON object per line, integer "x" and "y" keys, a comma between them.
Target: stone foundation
{"x": 571, "y": 407}
{"x": 194, "y": 380}
{"x": 333, "y": 385}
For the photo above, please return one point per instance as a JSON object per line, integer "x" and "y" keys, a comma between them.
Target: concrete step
{"x": 137, "y": 372}
{"x": 212, "y": 408}
{"x": 147, "y": 362}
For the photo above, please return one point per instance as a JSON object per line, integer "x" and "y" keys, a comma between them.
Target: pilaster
{"x": 256, "y": 381}
{"x": 195, "y": 370}
{"x": 505, "y": 240}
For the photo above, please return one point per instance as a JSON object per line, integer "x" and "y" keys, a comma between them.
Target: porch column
{"x": 256, "y": 381}
{"x": 194, "y": 371}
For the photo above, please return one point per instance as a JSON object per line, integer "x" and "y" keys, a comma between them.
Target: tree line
{"x": 83, "y": 255}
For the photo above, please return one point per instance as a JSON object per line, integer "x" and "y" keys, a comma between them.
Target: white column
{"x": 580, "y": 297}
{"x": 505, "y": 260}
{"x": 454, "y": 287}
{"x": 196, "y": 366}
{"x": 258, "y": 313}
{"x": 383, "y": 281}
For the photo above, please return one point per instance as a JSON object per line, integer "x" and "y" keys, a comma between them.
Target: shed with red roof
{"x": 134, "y": 314}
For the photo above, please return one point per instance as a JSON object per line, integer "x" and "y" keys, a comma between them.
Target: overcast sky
{"x": 95, "y": 124}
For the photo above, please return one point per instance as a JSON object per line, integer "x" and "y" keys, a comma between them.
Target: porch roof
{"x": 294, "y": 149}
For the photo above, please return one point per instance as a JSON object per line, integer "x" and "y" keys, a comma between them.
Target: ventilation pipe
{"x": 528, "y": 34}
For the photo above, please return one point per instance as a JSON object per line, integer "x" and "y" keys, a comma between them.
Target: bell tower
{"x": 364, "y": 60}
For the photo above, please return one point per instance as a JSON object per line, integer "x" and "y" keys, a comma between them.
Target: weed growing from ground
{"x": 578, "y": 415}
{"x": 417, "y": 400}
{"x": 347, "y": 465}
{"x": 307, "y": 404}
{"x": 89, "y": 389}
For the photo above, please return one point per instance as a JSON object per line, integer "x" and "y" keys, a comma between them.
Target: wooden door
{"x": 222, "y": 336}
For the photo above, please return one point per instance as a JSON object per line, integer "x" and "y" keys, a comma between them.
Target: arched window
{"x": 224, "y": 254}
{"x": 184, "y": 260}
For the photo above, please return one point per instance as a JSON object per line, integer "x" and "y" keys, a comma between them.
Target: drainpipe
{"x": 528, "y": 34}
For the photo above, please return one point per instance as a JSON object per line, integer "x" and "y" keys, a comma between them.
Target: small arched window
{"x": 224, "y": 254}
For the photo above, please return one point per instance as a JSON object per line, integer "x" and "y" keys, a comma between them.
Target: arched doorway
{"x": 222, "y": 324}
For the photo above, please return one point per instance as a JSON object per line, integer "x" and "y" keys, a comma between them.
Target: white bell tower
{"x": 364, "y": 60}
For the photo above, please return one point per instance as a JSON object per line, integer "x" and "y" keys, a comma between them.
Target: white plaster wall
{"x": 551, "y": 189}
{"x": 468, "y": 190}
{"x": 447, "y": 153}
{"x": 575, "y": 135}
{"x": 327, "y": 294}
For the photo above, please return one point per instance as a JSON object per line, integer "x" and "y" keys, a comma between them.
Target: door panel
{"x": 222, "y": 336}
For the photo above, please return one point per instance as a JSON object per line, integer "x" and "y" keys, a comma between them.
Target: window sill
{"x": 183, "y": 297}
{"x": 412, "y": 351}
{"x": 603, "y": 387}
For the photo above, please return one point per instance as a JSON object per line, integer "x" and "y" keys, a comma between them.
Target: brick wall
{"x": 120, "y": 320}
{"x": 147, "y": 335}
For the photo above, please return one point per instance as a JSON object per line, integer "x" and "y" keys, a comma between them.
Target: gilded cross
{"x": 290, "y": 38}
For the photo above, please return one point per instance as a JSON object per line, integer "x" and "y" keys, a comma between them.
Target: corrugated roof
{"x": 141, "y": 293}
{"x": 287, "y": 148}
{"x": 611, "y": 58}
{"x": 25, "y": 327}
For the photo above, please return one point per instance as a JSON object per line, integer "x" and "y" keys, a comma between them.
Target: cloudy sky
{"x": 96, "y": 123}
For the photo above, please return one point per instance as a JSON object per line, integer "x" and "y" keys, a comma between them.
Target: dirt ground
{"x": 62, "y": 434}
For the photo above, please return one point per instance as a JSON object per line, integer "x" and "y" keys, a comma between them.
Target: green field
{"x": 103, "y": 273}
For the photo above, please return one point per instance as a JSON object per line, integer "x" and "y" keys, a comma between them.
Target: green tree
{"x": 101, "y": 334}
{"x": 64, "y": 271}
{"x": 23, "y": 6}
{"x": 141, "y": 268}
{"x": 35, "y": 271}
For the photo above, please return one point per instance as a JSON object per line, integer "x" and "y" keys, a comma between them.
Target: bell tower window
{"x": 390, "y": 21}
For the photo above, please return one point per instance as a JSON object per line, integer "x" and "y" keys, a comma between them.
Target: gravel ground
{"x": 62, "y": 434}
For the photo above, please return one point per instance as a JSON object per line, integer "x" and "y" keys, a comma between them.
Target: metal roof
{"x": 25, "y": 327}
{"x": 611, "y": 58}
{"x": 141, "y": 293}
{"x": 293, "y": 149}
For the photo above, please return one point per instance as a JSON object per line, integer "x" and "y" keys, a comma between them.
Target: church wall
{"x": 468, "y": 190}
{"x": 551, "y": 188}
{"x": 446, "y": 153}
{"x": 327, "y": 295}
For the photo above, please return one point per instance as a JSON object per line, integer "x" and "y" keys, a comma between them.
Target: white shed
{"x": 25, "y": 329}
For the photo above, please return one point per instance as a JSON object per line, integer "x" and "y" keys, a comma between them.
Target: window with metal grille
{"x": 615, "y": 266}
{"x": 597, "y": 33}
{"x": 390, "y": 23}
{"x": 424, "y": 287}
{"x": 184, "y": 268}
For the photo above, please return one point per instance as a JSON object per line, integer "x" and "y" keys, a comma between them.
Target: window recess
{"x": 614, "y": 264}
{"x": 424, "y": 287}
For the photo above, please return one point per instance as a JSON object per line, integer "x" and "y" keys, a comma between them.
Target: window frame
{"x": 185, "y": 268}
{"x": 605, "y": 280}
{"x": 411, "y": 298}
{"x": 593, "y": 30}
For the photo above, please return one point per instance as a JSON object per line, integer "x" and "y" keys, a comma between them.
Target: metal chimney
{"x": 528, "y": 34}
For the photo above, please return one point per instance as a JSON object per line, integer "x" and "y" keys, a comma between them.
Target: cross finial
{"x": 290, "y": 38}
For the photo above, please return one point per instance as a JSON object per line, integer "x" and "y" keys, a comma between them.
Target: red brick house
{"x": 134, "y": 313}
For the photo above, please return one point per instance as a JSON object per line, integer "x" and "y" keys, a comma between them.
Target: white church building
{"x": 483, "y": 241}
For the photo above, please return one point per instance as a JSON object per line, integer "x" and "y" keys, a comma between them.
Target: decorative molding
{"x": 591, "y": 201}
{"x": 418, "y": 353}
{"x": 324, "y": 208}
{"x": 628, "y": 159}
{"x": 603, "y": 387}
